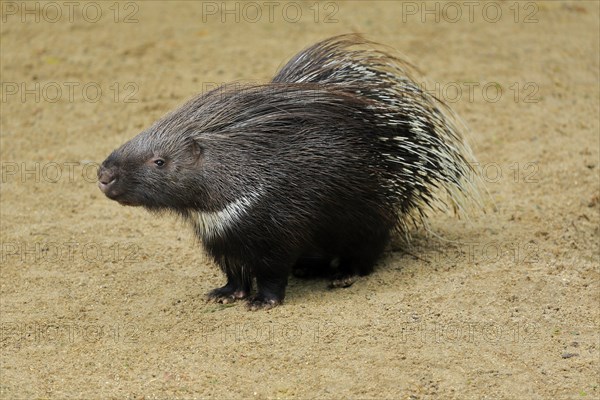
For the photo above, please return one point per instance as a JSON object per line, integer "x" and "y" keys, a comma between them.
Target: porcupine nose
{"x": 106, "y": 179}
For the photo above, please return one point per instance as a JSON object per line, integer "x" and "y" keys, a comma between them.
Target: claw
{"x": 343, "y": 281}
{"x": 259, "y": 302}
{"x": 225, "y": 295}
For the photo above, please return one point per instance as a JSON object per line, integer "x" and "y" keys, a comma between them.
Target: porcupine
{"x": 314, "y": 170}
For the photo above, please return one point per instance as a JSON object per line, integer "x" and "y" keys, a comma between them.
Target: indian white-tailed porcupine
{"x": 312, "y": 171}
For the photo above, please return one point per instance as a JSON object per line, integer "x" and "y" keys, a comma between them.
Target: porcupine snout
{"x": 106, "y": 179}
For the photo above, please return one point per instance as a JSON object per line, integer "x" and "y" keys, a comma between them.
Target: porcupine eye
{"x": 159, "y": 162}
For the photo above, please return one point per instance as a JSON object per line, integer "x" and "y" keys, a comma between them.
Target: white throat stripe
{"x": 212, "y": 224}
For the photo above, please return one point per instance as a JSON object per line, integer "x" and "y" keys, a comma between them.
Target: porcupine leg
{"x": 312, "y": 266}
{"x": 352, "y": 266}
{"x": 239, "y": 284}
{"x": 271, "y": 282}
{"x": 359, "y": 259}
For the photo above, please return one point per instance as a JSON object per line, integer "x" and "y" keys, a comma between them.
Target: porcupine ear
{"x": 196, "y": 151}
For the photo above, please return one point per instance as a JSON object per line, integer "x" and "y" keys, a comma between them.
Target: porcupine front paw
{"x": 262, "y": 302}
{"x": 227, "y": 294}
{"x": 271, "y": 281}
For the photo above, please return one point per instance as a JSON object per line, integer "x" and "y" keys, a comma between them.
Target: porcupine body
{"x": 313, "y": 170}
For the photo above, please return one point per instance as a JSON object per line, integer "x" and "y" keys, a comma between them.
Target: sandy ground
{"x": 104, "y": 301}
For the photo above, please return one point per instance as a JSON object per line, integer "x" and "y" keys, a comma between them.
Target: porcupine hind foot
{"x": 350, "y": 270}
{"x": 358, "y": 260}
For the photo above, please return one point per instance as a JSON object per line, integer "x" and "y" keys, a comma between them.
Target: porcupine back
{"x": 422, "y": 148}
